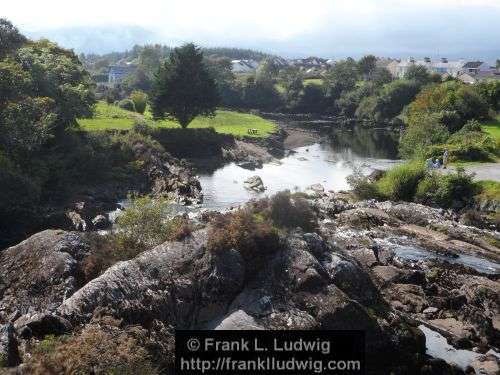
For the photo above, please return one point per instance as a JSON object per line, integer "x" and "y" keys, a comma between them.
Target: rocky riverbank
{"x": 324, "y": 280}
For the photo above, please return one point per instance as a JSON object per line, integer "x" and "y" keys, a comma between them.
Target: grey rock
{"x": 254, "y": 183}
{"x": 40, "y": 272}
{"x": 9, "y": 354}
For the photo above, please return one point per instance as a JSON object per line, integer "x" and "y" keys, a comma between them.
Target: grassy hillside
{"x": 493, "y": 127}
{"x": 227, "y": 122}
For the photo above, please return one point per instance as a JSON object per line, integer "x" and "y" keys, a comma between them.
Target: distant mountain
{"x": 99, "y": 39}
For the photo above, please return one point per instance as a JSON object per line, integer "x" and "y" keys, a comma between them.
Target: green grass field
{"x": 110, "y": 117}
{"x": 490, "y": 190}
{"x": 313, "y": 81}
{"x": 493, "y": 127}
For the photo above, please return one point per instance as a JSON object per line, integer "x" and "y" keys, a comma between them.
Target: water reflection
{"x": 326, "y": 163}
{"x": 372, "y": 143}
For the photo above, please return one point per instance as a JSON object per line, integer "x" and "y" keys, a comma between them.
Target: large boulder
{"x": 9, "y": 355}
{"x": 40, "y": 272}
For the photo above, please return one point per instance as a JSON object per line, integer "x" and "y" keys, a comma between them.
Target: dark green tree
{"x": 10, "y": 38}
{"x": 418, "y": 73}
{"x": 367, "y": 65}
{"x": 183, "y": 87}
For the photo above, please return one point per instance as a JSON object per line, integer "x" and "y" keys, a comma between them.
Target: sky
{"x": 326, "y": 28}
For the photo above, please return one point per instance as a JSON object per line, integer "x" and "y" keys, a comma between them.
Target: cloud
{"x": 326, "y": 27}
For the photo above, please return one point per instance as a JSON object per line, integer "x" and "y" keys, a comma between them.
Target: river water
{"x": 327, "y": 163}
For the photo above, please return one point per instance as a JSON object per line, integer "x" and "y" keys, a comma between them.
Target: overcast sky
{"x": 328, "y": 28}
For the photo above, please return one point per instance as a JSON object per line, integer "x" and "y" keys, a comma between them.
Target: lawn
{"x": 490, "y": 190}
{"x": 313, "y": 81}
{"x": 493, "y": 127}
{"x": 227, "y": 122}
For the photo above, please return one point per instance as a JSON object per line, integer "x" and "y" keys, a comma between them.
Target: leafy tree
{"x": 292, "y": 80}
{"x": 342, "y": 77}
{"x": 267, "y": 71}
{"x": 183, "y": 88}
{"x": 455, "y": 102}
{"x": 312, "y": 99}
{"x": 138, "y": 80}
{"x": 10, "y": 38}
{"x": 490, "y": 92}
{"x": 261, "y": 95}
{"x": 140, "y": 100}
{"x": 422, "y": 131}
{"x": 394, "y": 97}
{"x": 418, "y": 73}
{"x": 381, "y": 76}
{"x": 367, "y": 65}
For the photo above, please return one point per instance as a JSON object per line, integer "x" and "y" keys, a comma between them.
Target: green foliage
{"x": 367, "y": 65}
{"x": 246, "y": 232}
{"x": 101, "y": 349}
{"x": 454, "y": 190}
{"x": 288, "y": 212}
{"x": 362, "y": 186}
{"x": 490, "y": 92}
{"x": 127, "y": 104}
{"x": 140, "y": 100}
{"x": 421, "y": 132}
{"x": 144, "y": 224}
{"x": 419, "y": 74}
{"x": 342, "y": 77}
{"x": 10, "y": 38}
{"x": 400, "y": 183}
{"x": 183, "y": 87}
{"x": 455, "y": 103}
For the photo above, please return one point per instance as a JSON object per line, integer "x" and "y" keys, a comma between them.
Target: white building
{"x": 443, "y": 66}
{"x": 244, "y": 66}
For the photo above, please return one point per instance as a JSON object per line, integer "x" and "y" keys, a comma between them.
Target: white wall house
{"x": 244, "y": 66}
{"x": 441, "y": 66}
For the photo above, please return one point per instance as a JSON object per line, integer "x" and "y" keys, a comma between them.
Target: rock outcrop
{"x": 38, "y": 274}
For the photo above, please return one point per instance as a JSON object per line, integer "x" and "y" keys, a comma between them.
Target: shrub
{"x": 140, "y": 100}
{"x": 455, "y": 190}
{"x": 291, "y": 213}
{"x": 96, "y": 350}
{"x": 127, "y": 104}
{"x": 400, "y": 183}
{"x": 143, "y": 225}
{"x": 362, "y": 186}
{"x": 247, "y": 233}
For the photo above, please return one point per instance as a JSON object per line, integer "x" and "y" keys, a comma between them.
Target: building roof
{"x": 473, "y": 64}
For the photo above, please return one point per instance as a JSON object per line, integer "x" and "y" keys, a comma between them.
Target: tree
{"x": 367, "y": 65}
{"x": 422, "y": 131}
{"x": 10, "y": 38}
{"x": 267, "y": 71}
{"x": 498, "y": 64}
{"x": 342, "y": 77}
{"x": 183, "y": 88}
{"x": 292, "y": 80}
{"x": 419, "y": 74}
{"x": 381, "y": 76}
{"x": 455, "y": 102}
{"x": 140, "y": 100}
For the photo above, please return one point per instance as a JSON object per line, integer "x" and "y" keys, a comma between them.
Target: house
{"x": 474, "y": 67}
{"x": 244, "y": 66}
{"x": 117, "y": 73}
{"x": 486, "y": 75}
{"x": 442, "y": 66}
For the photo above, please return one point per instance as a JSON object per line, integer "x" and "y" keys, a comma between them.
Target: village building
{"x": 244, "y": 66}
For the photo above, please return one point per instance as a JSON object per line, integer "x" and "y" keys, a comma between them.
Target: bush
{"x": 362, "y": 186}
{"x": 400, "y": 183}
{"x": 96, "y": 350}
{"x": 140, "y": 100}
{"x": 455, "y": 190}
{"x": 247, "y": 233}
{"x": 291, "y": 213}
{"x": 127, "y": 104}
{"x": 143, "y": 225}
